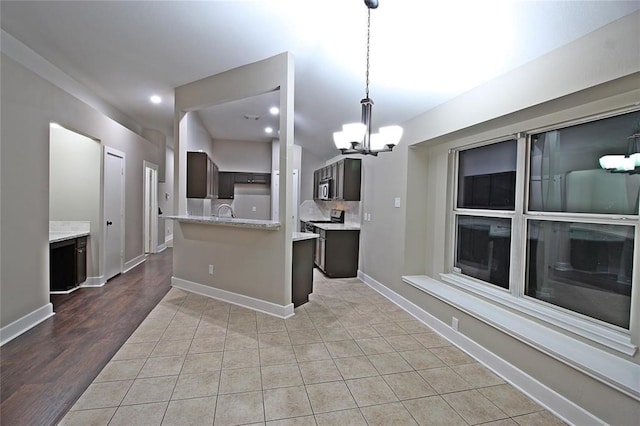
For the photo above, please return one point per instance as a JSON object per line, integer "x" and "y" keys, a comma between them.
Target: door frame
{"x": 150, "y": 207}
{"x": 111, "y": 151}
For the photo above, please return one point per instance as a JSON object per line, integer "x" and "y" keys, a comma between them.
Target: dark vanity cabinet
{"x": 202, "y": 176}
{"x": 67, "y": 264}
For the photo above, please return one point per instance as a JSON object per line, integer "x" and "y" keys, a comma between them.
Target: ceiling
{"x": 423, "y": 53}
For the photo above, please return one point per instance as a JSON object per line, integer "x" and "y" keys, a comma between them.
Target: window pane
{"x": 487, "y": 177}
{"x": 586, "y": 268}
{"x": 482, "y": 248}
{"x": 566, "y": 174}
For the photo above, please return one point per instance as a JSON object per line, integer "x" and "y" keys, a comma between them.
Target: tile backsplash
{"x": 315, "y": 210}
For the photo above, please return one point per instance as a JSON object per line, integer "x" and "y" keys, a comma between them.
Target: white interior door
{"x": 114, "y": 181}
{"x": 150, "y": 207}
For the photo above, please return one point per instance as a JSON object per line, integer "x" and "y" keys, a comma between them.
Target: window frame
{"x": 610, "y": 335}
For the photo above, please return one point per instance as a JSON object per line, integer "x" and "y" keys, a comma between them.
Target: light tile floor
{"x": 348, "y": 357}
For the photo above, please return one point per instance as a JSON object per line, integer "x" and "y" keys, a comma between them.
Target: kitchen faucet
{"x": 227, "y": 206}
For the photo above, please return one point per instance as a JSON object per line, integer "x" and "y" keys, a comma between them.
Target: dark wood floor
{"x": 44, "y": 371}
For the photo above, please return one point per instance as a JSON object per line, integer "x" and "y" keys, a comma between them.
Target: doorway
{"x": 75, "y": 198}
{"x": 114, "y": 226}
{"x": 150, "y": 207}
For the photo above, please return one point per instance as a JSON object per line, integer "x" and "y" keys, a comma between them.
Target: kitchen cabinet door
{"x": 261, "y": 178}
{"x": 226, "y": 185}
{"x": 201, "y": 175}
{"x": 341, "y": 251}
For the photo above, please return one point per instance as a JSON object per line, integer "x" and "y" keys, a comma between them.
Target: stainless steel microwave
{"x": 325, "y": 189}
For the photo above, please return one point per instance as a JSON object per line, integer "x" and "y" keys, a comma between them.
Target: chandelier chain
{"x": 368, "y": 37}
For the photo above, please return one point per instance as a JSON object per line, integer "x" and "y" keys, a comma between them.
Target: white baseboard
{"x": 169, "y": 241}
{"x": 161, "y": 248}
{"x": 134, "y": 262}
{"x": 235, "y": 298}
{"x": 25, "y": 323}
{"x": 94, "y": 282}
{"x": 537, "y": 391}
{"x": 65, "y": 291}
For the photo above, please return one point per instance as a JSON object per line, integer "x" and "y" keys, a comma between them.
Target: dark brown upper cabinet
{"x": 347, "y": 178}
{"x": 202, "y": 176}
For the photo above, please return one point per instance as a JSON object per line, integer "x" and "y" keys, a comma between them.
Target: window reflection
{"x": 482, "y": 248}
{"x": 566, "y": 174}
{"x": 586, "y": 268}
{"x": 487, "y": 177}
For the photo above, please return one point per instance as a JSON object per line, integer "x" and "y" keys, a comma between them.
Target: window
{"x": 486, "y": 202}
{"x": 578, "y": 223}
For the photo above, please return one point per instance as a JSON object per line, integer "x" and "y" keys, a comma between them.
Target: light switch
{"x": 253, "y": 208}
{"x": 396, "y": 202}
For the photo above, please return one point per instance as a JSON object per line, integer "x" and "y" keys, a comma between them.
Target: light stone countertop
{"x": 301, "y": 236}
{"x": 62, "y": 230}
{"x": 55, "y": 237}
{"x": 338, "y": 226}
{"x": 269, "y": 225}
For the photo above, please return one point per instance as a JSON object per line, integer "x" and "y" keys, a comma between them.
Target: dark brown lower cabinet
{"x": 338, "y": 252}
{"x": 67, "y": 264}
{"x": 302, "y": 271}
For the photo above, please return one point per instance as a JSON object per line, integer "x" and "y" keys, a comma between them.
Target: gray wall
{"x": 29, "y": 103}
{"x": 74, "y": 185}
{"x": 242, "y": 156}
{"x": 594, "y": 74}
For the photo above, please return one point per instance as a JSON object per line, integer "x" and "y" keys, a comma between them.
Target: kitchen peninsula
{"x": 239, "y": 254}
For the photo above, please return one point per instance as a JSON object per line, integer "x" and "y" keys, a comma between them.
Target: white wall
{"x": 595, "y": 74}
{"x": 74, "y": 186}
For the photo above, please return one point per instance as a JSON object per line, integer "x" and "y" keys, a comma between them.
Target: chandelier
{"x": 629, "y": 163}
{"x": 356, "y": 138}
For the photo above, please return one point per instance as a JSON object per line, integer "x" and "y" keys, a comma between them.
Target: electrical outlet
{"x": 396, "y": 202}
{"x": 210, "y": 269}
{"x": 253, "y": 208}
{"x": 454, "y": 323}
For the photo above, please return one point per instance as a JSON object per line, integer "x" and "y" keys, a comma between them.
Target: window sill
{"x": 601, "y": 334}
{"x": 604, "y": 366}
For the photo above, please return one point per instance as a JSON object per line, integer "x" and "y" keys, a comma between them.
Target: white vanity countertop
{"x": 68, "y": 230}
{"x": 55, "y": 237}
{"x": 228, "y": 221}
{"x": 300, "y": 236}
{"x": 338, "y": 226}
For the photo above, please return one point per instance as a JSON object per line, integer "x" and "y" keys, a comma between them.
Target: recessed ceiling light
{"x": 268, "y": 130}
{"x": 274, "y": 110}
{"x": 155, "y": 99}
